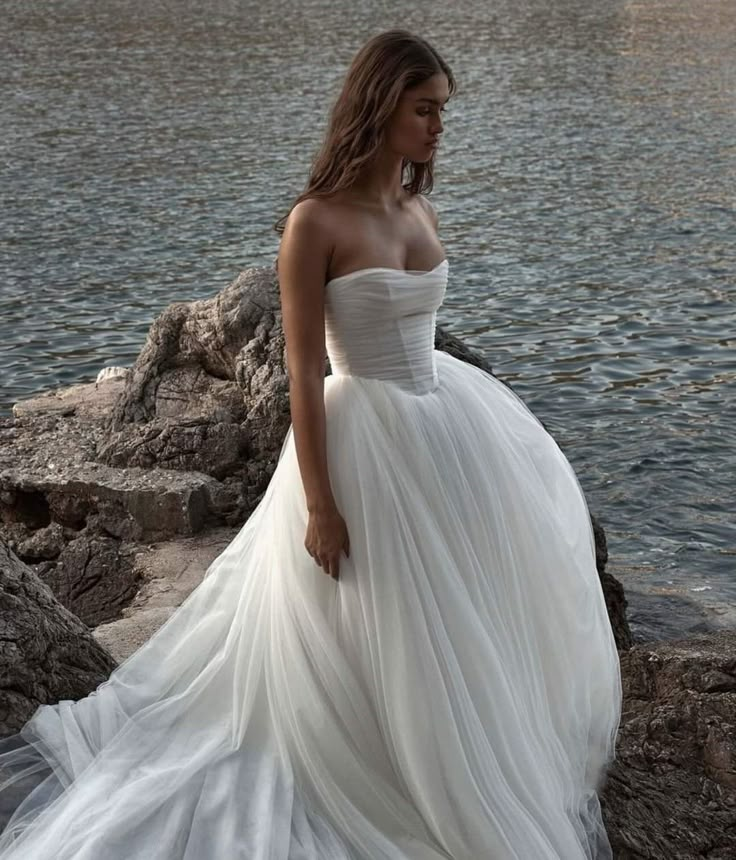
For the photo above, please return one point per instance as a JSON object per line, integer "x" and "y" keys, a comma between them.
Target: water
{"x": 586, "y": 189}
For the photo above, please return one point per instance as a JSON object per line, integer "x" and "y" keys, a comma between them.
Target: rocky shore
{"x": 115, "y": 496}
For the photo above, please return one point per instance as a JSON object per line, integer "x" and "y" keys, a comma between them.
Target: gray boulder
{"x": 671, "y": 792}
{"x": 46, "y": 652}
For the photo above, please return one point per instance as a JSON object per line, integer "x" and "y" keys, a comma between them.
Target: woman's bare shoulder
{"x": 307, "y": 240}
{"x": 320, "y": 214}
{"x": 309, "y": 211}
{"x": 429, "y": 209}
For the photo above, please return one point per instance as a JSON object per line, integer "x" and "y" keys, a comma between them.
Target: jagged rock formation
{"x": 46, "y": 652}
{"x": 671, "y": 793}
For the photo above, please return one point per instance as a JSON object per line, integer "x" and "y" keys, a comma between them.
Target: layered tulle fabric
{"x": 455, "y": 695}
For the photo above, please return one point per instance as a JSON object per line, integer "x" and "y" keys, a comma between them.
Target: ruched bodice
{"x": 380, "y": 324}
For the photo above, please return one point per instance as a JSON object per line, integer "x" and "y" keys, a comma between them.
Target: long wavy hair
{"x": 383, "y": 68}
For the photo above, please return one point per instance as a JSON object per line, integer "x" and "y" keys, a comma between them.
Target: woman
{"x": 405, "y": 651}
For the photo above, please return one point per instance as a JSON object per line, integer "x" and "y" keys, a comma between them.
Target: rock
{"x": 46, "y": 652}
{"x": 613, "y": 590}
{"x": 167, "y": 572}
{"x": 671, "y": 792}
{"x": 46, "y": 543}
{"x": 94, "y": 578}
{"x": 212, "y": 377}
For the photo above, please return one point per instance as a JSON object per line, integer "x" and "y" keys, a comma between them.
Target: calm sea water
{"x": 586, "y": 189}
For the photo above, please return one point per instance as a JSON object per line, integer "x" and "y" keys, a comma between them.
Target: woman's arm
{"x": 303, "y": 260}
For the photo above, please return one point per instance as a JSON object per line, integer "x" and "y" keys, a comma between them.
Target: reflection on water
{"x": 586, "y": 195}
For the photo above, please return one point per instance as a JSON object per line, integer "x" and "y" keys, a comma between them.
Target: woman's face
{"x": 416, "y": 122}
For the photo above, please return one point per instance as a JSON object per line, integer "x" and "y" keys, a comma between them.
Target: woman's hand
{"x": 327, "y": 536}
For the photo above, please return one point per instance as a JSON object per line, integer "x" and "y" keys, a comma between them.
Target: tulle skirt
{"x": 455, "y": 694}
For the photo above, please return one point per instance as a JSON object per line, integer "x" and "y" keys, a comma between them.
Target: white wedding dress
{"x": 455, "y": 695}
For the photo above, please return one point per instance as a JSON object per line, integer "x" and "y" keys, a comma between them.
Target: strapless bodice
{"x": 380, "y": 324}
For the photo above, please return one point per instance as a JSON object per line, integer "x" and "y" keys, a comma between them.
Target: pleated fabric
{"x": 455, "y": 695}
